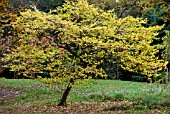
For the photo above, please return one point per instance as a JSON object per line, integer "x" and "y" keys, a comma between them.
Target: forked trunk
{"x": 63, "y": 101}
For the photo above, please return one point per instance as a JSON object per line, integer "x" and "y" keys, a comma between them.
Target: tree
{"x": 10, "y": 10}
{"x": 155, "y": 11}
{"x": 42, "y": 5}
{"x": 8, "y": 14}
{"x": 72, "y": 42}
{"x": 166, "y": 53}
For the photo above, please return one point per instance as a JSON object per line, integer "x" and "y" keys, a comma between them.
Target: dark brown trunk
{"x": 66, "y": 93}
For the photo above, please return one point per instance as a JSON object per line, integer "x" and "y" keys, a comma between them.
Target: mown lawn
{"x": 105, "y": 96}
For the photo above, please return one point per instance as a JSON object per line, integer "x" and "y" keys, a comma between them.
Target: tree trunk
{"x": 66, "y": 93}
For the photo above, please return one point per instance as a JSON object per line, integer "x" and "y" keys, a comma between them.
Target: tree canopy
{"x": 72, "y": 41}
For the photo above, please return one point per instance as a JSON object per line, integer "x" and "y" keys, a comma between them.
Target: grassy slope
{"x": 35, "y": 94}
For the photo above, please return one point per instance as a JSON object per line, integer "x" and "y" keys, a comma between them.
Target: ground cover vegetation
{"x": 114, "y": 96}
{"x": 73, "y": 41}
{"x": 157, "y": 13}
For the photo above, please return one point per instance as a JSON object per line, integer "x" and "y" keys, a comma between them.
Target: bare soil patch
{"x": 6, "y": 94}
{"x": 76, "y": 108}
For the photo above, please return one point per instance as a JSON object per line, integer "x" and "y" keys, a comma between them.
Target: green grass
{"x": 115, "y": 89}
{"x": 36, "y": 94}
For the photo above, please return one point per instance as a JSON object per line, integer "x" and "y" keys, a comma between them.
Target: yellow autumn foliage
{"x": 85, "y": 36}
